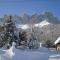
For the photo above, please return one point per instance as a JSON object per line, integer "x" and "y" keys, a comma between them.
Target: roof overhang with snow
{"x": 57, "y": 41}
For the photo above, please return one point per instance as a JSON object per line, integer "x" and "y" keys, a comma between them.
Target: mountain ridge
{"x": 35, "y": 18}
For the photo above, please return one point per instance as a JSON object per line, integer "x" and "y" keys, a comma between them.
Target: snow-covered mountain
{"x": 35, "y": 18}
{"x": 27, "y": 26}
{"x": 23, "y": 26}
{"x": 41, "y": 24}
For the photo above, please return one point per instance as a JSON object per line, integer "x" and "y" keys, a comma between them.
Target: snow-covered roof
{"x": 57, "y": 41}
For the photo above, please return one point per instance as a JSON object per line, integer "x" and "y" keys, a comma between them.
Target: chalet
{"x": 57, "y": 44}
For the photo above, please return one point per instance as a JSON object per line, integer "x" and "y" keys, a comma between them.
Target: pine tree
{"x": 22, "y": 38}
{"x": 9, "y": 31}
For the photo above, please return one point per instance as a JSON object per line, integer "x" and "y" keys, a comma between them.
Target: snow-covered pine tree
{"x": 9, "y": 28}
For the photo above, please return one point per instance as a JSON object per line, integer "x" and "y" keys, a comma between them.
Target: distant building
{"x": 57, "y": 44}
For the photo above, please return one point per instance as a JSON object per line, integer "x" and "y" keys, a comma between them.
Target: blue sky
{"x": 19, "y": 7}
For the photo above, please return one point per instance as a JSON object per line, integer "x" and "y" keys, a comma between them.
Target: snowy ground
{"x": 40, "y": 54}
{"x": 55, "y": 57}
